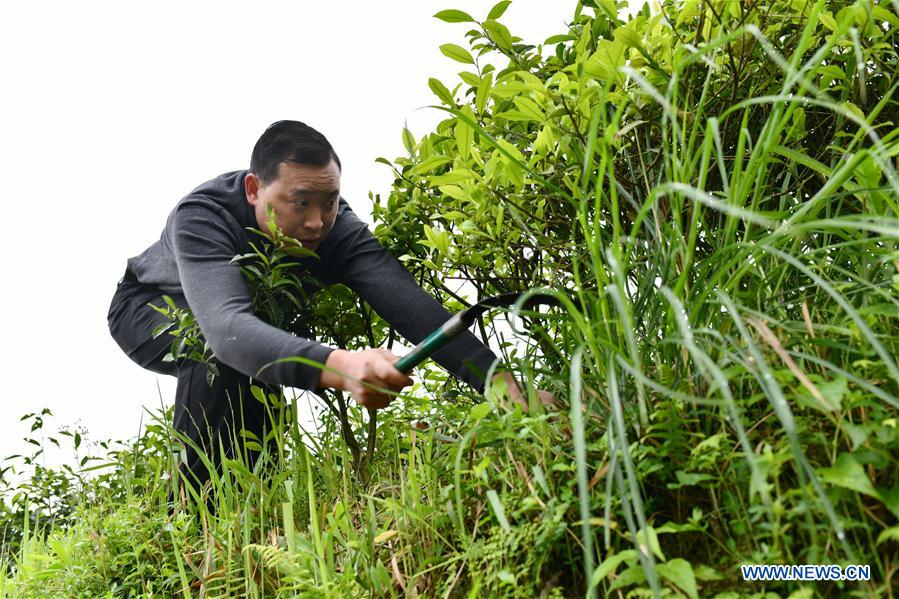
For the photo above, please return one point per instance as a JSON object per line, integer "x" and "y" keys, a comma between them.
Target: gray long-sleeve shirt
{"x": 208, "y": 227}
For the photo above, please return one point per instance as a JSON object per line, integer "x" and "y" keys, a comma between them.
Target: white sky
{"x": 112, "y": 111}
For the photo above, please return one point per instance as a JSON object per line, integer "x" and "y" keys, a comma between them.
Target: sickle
{"x": 461, "y": 321}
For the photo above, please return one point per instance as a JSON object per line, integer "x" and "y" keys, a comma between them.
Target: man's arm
{"x": 217, "y": 294}
{"x": 364, "y": 265}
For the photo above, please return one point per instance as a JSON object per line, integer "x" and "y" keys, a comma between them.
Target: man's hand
{"x": 372, "y": 366}
{"x": 518, "y": 395}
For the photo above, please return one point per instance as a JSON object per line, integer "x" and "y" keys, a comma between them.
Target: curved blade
{"x": 461, "y": 321}
{"x": 504, "y": 300}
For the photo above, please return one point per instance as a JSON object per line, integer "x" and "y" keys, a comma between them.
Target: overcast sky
{"x": 112, "y": 111}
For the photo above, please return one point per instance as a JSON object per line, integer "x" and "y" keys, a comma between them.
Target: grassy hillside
{"x": 710, "y": 190}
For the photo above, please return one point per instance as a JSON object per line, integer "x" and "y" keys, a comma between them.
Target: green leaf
{"x": 849, "y": 474}
{"x": 431, "y": 239}
{"x": 529, "y": 107}
{"x": 408, "y": 141}
{"x": 511, "y": 153}
{"x": 456, "y": 175}
{"x": 832, "y": 393}
{"x": 454, "y": 16}
{"x": 500, "y": 35}
{"x": 689, "y": 11}
{"x": 831, "y": 72}
{"x": 704, "y": 572}
{"x": 499, "y": 9}
{"x": 252, "y": 270}
{"x": 248, "y": 434}
{"x": 464, "y": 135}
{"x": 827, "y": 20}
{"x": 442, "y": 241}
{"x": 99, "y": 466}
{"x": 470, "y": 78}
{"x": 609, "y": 7}
{"x": 498, "y": 510}
{"x": 883, "y": 14}
{"x": 479, "y": 412}
{"x": 628, "y": 36}
{"x": 887, "y": 310}
{"x": 542, "y": 145}
{"x": 453, "y": 191}
{"x": 687, "y": 479}
{"x": 889, "y": 534}
{"x": 483, "y": 93}
{"x": 674, "y": 527}
{"x": 452, "y": 215}
{"x": 610, "y": 564}
{"x": 557, "y": 39}
{"x": 629, "y": 576}
{"x": 441, "y": 92}
{"x": 679, "y": 572}
{"x": 162, "y": 328}
{"x": 802, "y": 159}
{"x": 890, "y": 498}
{"x": 858, "y": 434}
{"x": 384, "y": 537}
{"x": 649, "y": 535}
{"x": 854, "y": 109}
{"x": 429, "y": 165}
{"x": 457, "y": 53}
{"x": 516, "y": 115}
{"x": 259, "y": 394}
{"x": 604, "y": 63}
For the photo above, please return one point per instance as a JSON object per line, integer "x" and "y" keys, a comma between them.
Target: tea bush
{"x": 714, "y": 184}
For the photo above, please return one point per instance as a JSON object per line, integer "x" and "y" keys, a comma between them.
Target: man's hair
{"x": 292, "y": 142}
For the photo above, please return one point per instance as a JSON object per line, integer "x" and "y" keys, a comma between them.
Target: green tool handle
{"x": 432, "y": 343}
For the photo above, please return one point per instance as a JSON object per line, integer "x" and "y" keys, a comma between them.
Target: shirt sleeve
{"x": 219, "y": 298}
{"x": 364, "y": 265}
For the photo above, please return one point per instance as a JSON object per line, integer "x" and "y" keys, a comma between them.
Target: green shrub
{"x": 714, "y": 184}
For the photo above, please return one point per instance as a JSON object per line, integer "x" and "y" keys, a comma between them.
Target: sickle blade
{"x": 461, "y": 321}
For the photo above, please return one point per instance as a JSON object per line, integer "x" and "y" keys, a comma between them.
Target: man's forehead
{"x": 306, "y": 179}
{"x": 294, "y": 169}
{"x": 307, "y": 191}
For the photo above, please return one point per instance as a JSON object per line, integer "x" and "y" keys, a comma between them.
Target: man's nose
{"x": 314, "y": 222}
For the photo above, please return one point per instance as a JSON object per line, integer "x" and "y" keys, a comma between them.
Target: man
{"x": 295, "y": 172}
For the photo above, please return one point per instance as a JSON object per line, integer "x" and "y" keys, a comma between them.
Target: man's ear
{"x": 251, "y": 186}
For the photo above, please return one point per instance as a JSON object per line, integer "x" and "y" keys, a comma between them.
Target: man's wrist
{"x": 513, "y": 387}
{"x": 335, "y": 362}
{"x": 504, "y": 375}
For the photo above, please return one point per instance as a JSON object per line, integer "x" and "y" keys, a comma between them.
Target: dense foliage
{"x": 710, "y": 190}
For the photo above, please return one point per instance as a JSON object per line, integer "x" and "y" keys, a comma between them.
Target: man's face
{"x": 304, "y": 199}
